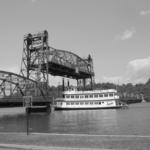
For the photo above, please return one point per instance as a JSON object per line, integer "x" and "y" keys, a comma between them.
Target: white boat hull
{"x": 85, "y": 105}
{"x": 83, "y": 108}
{"x": 96, "y": 99}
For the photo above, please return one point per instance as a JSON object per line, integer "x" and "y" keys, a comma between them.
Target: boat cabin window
{"x": 111, "y": 94}
{"x": 105, "y": 95}
{"x": 96, "y": 103}
{"x": 91, "y": 96}
{"x": 72, "y": 96}
{"x": 101, "y": 95}
{"x": 86, "y": 96}
{"x": 99, "y": 102}
{"x": 77, "y": 96}
{"x": 67, "y": 96}
{"x": 96, "y": 95}
{"x": 68, "y": 103}
{"x": 77, "y": 103}
{"x": 81, "y": 103}
{"x": 72, "y": 103}
{"x": 86, "y": 103}
{"x": 59, "y": 103}
{"x": 81, "y": 96}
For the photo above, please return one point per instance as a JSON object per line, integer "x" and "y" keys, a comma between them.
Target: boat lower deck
{"x": 90, "y": 104}
{"x": 88, "y": 108}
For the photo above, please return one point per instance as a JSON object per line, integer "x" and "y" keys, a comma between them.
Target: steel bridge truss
{"x": 39, "y": 60}
{"x": 68, "y": 64}
{"x": 35, "y": 50}
{"x": 12, "y": 84}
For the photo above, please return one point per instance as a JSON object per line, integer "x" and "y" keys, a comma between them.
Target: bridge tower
{"x": 87, "y": 82}
{"x": 34, "y": 64}
{"x": 89, "y": 61}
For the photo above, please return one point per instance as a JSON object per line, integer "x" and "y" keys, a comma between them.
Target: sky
{"x": 115, "y": 32}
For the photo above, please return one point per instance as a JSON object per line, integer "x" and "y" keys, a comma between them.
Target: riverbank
{"x": 43, "y": 141}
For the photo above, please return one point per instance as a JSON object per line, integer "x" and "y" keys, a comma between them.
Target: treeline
{"x": 126, "y": 91}
{"x": 129, "y": 91}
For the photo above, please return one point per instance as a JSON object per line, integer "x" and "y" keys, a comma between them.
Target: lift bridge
{"x": 39, "y": 60}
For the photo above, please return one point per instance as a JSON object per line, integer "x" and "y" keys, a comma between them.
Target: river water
{"x": 132, "y": 121}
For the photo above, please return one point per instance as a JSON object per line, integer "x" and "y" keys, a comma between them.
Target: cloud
{"x": 137, "y": 71}
{"x": 126, "y": 35}
{"x": 144, "y": 12}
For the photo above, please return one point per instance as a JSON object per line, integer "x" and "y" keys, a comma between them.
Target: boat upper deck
{"x": 75, "y": 91}
{"x": 89, "y": 95}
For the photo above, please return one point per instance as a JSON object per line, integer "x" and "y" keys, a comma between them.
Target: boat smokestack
{"x": 63, "y": 84}
{"x": 68, "y": 84}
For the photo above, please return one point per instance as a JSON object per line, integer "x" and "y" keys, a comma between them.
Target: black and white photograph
{"x": 74, "y": 75}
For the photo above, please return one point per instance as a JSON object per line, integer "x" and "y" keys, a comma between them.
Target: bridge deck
{"x": 18, "y": 101}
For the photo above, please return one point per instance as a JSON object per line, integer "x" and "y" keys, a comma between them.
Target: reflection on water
{"x": 134, "y": 120}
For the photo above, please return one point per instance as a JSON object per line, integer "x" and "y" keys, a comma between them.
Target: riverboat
{"x": 94, "y": 99}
